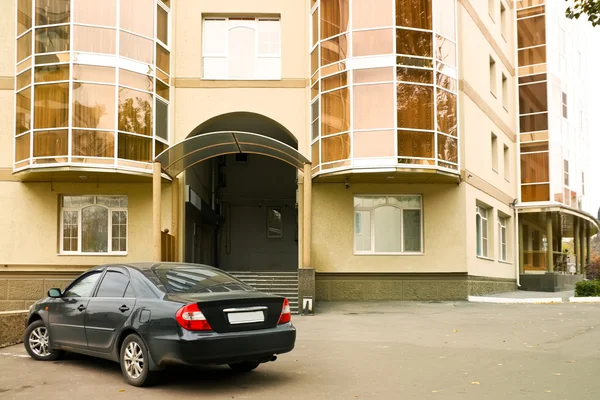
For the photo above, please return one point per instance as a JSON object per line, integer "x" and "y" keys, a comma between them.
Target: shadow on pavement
{"x": 206, "y": 379}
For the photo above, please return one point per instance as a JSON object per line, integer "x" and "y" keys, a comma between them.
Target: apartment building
{"x": 323, "y": 149}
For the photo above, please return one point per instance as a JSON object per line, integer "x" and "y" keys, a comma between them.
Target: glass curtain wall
{"x": 383, "y": 84}
{"x": 533, "y": 101}
{"x": 92, "y": 83}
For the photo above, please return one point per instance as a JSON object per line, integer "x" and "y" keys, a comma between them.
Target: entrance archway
{"x": 205, "y": 144}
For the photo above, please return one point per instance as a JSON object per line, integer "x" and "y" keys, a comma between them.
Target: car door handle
{"x": 123, "y": 308}
{"x": 81, "y": 307}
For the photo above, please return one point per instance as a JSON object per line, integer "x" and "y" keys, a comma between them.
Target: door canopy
{"x": 196, "y": 149}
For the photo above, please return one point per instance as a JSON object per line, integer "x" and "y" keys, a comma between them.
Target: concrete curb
{"x": 584, "y": 299}
{"x": 510, "y": 300}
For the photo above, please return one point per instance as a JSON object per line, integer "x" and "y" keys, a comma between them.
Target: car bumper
{"x": 199, "y": 348}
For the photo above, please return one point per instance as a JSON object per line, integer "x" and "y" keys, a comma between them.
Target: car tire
{"x": 245, "y": 366}
{"x": 37, "y": 342}
{"x": 135, "y": 362}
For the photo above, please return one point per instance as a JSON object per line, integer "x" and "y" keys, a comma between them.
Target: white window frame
{"x": 358, "y": 222}
{"x": 502, "y": 246}
{"x": 79, "y": 215}
{"x": 482, "y": 213}
{"x": 252, "y": 24}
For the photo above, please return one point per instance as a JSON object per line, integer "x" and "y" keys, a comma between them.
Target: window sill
{"x": 486, "y": 258}
{"x": 121, "y": 254}
{"x": 389, "y": 254}
{"x": 505, "y": 262}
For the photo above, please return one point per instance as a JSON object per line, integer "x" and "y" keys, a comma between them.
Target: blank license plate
{"x": 246, "y": 317}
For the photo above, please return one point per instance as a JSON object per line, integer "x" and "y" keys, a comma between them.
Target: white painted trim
{"x": 509, "y": 300}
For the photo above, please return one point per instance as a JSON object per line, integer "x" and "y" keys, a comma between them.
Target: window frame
{"x": 502, "y": 247}
{"x": 104, "y": 277}
{"x": 371, "y": 210}
{"x": 254, "y": 25}
{"x": 479, "y": 239}
{"x": 100, "y": 272}
{"x": 79, "y": 215}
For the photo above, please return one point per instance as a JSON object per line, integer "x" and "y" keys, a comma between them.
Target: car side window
{"x": 113, "y": 285}
{"x": 129, "y": 294}
{"x": 84, "y": 287}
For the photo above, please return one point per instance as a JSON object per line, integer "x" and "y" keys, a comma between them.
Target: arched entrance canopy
{"x": 196, "y": 149}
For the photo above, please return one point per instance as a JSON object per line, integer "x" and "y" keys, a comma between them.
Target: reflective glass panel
{"x": 162, "y": 90}
{"x": 535, "y": 122}
{"x": 335, "y": 148}
{"x": 533, "y": 98}
{"x": 335, "y": 112}
{"x": 373, "y": 106}
{"x": 50, "y": 143}
{"x": 445, "y": 18}
{"x": 414, "y": 75}
{"x": 52, "y": 40}
{"x": 51, "y": 107}
{"x": 446, "y": 112}
{"x": 532, "y": 56}
{"x": 535, "y": 192}
{"x": 135, "y": 112}
{"x": 93, "y": 73}
{"x": 163, "y": 58}
{"x": 335, "y": 81}
{"x": 415, "y": 144}
{"x": 93, "y": 143}
{"x": 414, "y": 43}
{"x": 372, "y": 13}
{"x": 162, "y": 25}
{"x": 447, "y": 148}
{"x": 415, "y": 106}
{"x": 24, "y": 79}
{"x": 22, "y": 147}
{"x": 334, "y": 50}
{"x": 94, "y": 40}
{"x": 374, "y": 144}
{"x": 414, "y": 13}
{"x": 373, "y": 75}
{"x": 136, "y": 47}
{"x": 94, "y": 106}
{"x": 138, "y": 16}
{"x": 50, "y": 12}
{"x": 445, "y": 50}
{"x": 367, "y": 43}
{"x": 52, "y": 73}
{"x": 94, "y": 229}
{"x": 24, "y": 14}
{"x": 535, "y": 168}
{"x": 162, "y": 120}
{"x": 531, "y": 31}
{"x": 135, "y": 80}
{"x": 24, "y": 47}
{"x": 88, "y": 12}
{"x": 135, "y": 148}
{"x": 23, "y": 117}
{"x": 334, "y": 17}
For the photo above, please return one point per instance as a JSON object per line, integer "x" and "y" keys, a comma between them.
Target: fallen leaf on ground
{"x": 474, "y": 383}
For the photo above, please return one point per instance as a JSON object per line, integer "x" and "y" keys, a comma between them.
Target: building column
{"x": 175, "y": 217}
{"x": 156, "y": 233}
{"x": 521, "y": 251}
{"x": 582, "y": 243}
{"x": 307, "y": 217}
{"x": 588, "y": 241}
{"x": 550, "y": 251}
{"x": 576, "y": 245}
{"x": 306, "y": 274}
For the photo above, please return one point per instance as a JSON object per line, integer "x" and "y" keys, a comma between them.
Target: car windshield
{"x": 187, "y": 278}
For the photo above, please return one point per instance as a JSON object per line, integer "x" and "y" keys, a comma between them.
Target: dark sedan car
{"x": 148, "y": 316}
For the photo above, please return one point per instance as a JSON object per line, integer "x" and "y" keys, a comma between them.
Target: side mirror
{"x": 54, "y": 293}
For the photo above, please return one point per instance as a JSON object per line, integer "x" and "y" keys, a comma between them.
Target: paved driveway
{"x": 396, "y": 350}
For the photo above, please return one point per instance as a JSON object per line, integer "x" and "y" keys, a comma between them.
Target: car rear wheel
{"x": 245, "y": 366}
{"x": 37, "y": 342}
{"x": 135, "y": 363}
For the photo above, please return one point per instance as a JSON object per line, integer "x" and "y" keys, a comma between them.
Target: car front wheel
{"x": 245, "y": 366}
{"x": 135, "y": 363}
{"x": 37, "y": 342}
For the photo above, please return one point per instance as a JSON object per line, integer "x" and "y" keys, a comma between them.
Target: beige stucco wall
{"x": 7, "y": 116}
{"x": 490, "y": 266}
{"x": 287, "y": 106}
{"x": 7, "y": 37}
{"x": 30, "y": 222}
{"x": 333, "y": 230}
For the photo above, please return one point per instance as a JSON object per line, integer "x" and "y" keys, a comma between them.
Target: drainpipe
{"x": 517, "y": 248}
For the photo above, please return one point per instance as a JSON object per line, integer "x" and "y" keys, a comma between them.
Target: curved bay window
{"x": 93, "y": 82}
{"x": 384, "y": 84}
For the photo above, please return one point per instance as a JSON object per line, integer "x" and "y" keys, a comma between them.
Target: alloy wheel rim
{"x": 38, "y": 341}
{"x": 134, "y": 360}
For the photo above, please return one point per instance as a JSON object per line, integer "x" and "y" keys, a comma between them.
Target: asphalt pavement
{"x": 388, "y": 350}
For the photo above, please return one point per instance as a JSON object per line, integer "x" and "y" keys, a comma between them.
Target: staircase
{"x": 279, "y": 283}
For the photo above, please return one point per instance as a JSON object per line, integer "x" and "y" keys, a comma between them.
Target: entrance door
{"x": 66, "y": 315}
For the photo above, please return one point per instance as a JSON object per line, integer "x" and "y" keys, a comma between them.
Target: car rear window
{"x": 193, "y": 279}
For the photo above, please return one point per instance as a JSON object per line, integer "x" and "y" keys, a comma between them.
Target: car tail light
{"x": 286, "y": 313}
{"x": 191, "y": 318}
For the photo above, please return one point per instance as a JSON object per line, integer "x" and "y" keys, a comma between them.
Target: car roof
{"x": 146, "y": 266}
